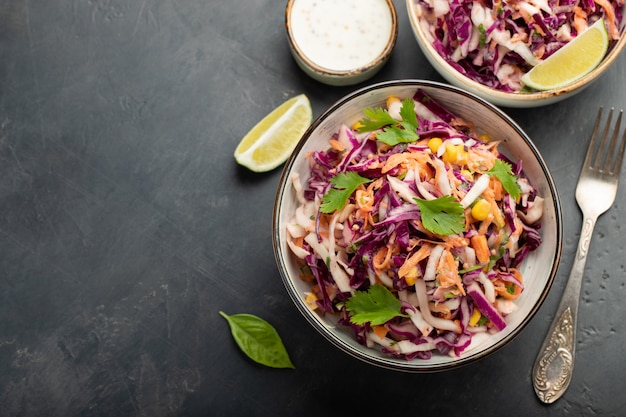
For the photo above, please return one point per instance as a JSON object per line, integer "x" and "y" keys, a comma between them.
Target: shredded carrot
{"x": 498, "y": 239}
{"x": 483, "y": 158}
{"x": 441, "y": 309}
{"x": 448, "y": 272}
{"x": 455, "y": 241}
{"x": 580, "y": 20}
{"x": 307, "y": 277}
{"x": 364, "y": 199}
{"x": 406, "y": 159}
{"x": 497, "y": 214}
{"x": 382, "y": 258}
{"x": 484, "y": 225}
{"x": 414, "y": 259}
{"x": 538, "y": 29}
{"x": 479, "y": 244}
{"x": 498, "y": 189}
{"x": 501, "y": 287}
{"x": 610, "y": 18}
{"x": 503, "y": 291}
{"x": 380, "y": 331}
{"x": 336, "y": 145}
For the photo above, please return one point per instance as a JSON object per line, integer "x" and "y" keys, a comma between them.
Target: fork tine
{"x": 611, "y": 160}
{"x": 620, "y": 155}
{"x": 601, "y": 154}
{"x": 591, "y": 148}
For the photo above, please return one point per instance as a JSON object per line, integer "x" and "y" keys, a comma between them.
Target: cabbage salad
{"x": 411, "y": 228}
{"x": 496, "y": 42}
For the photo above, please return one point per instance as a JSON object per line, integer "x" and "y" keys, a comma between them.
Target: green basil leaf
{"x": 259, "y": 340}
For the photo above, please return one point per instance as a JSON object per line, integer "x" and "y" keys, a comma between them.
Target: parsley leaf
{"x": 375, "y": 119}
{"x": 377, "y": 306}
{"x": 394, "y": 135}
{"x": 503, "y": 173}
{"x": 343, "y": 186}
{"x": 395, "y": 132}
{"x": 443, "y": 216}
{"x": 407, "y": 112}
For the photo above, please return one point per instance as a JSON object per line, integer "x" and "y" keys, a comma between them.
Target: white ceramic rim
{"x": 500, "y": 97}
{"x": 359, "y": 352}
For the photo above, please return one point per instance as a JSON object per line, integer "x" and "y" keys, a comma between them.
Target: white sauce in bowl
{"x": 341, "y": 35}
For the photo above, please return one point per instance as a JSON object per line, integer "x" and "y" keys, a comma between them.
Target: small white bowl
{"x": 341, "y": 42}
{"x": 538, "y": 269}
{"x": 502, "y": 98}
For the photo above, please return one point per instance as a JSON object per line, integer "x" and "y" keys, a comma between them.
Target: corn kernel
{"x": 484, "y": 138}
{"x": 481, "y": 209}
{"x": 411, "y": 276}
{"x": 357, "y": 125}
{"x": 434, "y": 144}
{"x": 455, "y": 154}
{"x": 473, "y": 321}
{"x": 390, "y": 100}
{"x": 310, "y": 300}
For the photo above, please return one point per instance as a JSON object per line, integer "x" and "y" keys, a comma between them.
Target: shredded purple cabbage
{"x": 341, "y": 252}
{"x": 496, "y": 42}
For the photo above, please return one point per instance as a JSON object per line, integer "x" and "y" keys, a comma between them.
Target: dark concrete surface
{"x": 125, "y": 226}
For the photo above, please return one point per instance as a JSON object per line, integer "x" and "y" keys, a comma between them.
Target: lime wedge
{"x": 571, "y": 62}
{"x": 270, "y": 142}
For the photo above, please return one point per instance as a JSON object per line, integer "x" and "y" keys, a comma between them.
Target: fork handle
{"x": 554, "y": 366}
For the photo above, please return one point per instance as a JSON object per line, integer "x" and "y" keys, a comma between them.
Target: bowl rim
{"x": 509, "y": 98}
{"x": 331, "y": 73}
{"x": 288, "y": 281}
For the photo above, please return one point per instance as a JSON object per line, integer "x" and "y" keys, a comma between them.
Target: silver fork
{"x": 595, "y": 193}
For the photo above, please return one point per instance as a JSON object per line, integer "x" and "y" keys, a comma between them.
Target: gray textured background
{"x": 125, "y": 226}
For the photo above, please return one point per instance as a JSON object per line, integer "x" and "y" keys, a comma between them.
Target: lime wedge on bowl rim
{"x": 573, "y": 61}
{"x": 270, "y": 142}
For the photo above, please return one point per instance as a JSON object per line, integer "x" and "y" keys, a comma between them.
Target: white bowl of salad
{"x": 488, "y": 47}
{"x": 416, "y": 226}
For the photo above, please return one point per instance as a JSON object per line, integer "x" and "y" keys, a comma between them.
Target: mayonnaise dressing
{"x": 341, "y": 35}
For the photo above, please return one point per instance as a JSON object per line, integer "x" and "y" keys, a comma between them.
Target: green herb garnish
{"x": 442, "y": 216}
{"x": 493, "y": 259}
{"x": 502, "y": 171}
{"x": 343, "y": 185}
{"x": 470, "y": 269}
{"x": 483, "y": 35}
{"x": 394, "y": 131}
{"x": 376, "y": 306}
{"x": 375, "y": 119}
{"x": 510, "y": 288}
{"x": 259, "y": 340}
